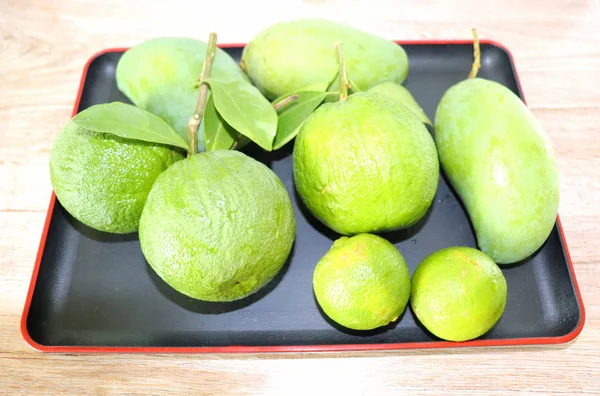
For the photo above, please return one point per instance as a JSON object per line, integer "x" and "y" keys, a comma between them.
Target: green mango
{"x": 161, "y": 75}
{"x": 291, "y": 56}
{"x": 501, "y": 163}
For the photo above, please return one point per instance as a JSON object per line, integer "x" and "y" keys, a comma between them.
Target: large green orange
{"x": 362, "y": 282}
{"x": 458, "y": 293}
{"x": 103, "y": 180}
{"x": 217, "y": 226}
{"x": 365, "y": 165}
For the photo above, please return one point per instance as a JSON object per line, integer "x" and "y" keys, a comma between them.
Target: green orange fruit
{"x": 362, "y": 282}
{"x": 103, "y": 180}
{"x": 458, "y": 293}
{"x": 217, "y": 226}
{"x": 365, "y": 165}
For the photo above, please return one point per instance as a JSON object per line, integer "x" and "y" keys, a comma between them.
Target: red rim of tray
{"x": 295, "y": 348}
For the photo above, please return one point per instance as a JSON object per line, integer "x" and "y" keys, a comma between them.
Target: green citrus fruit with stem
{"x": 458, "y": 293}
{"x": 217, "y": 226}
{"x": 362, "y": 282}
{"x": 366, "y": 164}
{"x": 103, "y": 180}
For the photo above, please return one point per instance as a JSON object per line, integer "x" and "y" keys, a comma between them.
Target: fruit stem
{"x": 194, "y": 122}
{"x": 476, "y": 55}
{"x": 285, "y": 101}
{"x": 343, "y": 74}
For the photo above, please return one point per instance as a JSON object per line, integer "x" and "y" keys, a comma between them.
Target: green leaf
{"x": 294, "y": 114}
{"x": 283, "y": 139}
{"x": 244, "y": 108}
{"x": 130, "y": 122}
{"x": 217, "y": 133}
{"x": 322, "y": 86}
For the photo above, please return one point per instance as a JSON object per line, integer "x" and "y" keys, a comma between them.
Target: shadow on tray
{"x": 94, "y": 234}
{"x": 358, "y": 333}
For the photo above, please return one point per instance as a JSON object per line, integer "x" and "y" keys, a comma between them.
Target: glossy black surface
{"x": 96, "y": 289}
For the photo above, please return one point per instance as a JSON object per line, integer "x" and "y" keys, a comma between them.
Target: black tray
{"x": 95, "y": 292}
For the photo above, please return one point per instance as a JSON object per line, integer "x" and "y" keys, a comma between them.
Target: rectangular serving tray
{"x": 94, "y": 292}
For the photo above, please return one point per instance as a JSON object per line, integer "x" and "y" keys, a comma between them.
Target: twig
{"x": 194, "y": 122}
{"x": 476, "y": 55}
{"x": 344, "y": 84}
{"x": 285, "y": 101}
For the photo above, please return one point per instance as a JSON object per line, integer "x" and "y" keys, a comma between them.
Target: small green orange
{"x": 362, "y": 282}
{"x": 458, "y": 293}
{"x": 103, "y": 180}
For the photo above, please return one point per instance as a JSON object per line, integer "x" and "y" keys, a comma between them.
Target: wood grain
{"x": 43, "y": 47}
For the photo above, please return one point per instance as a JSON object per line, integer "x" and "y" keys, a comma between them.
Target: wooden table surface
{"x": 43, "y": 47}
